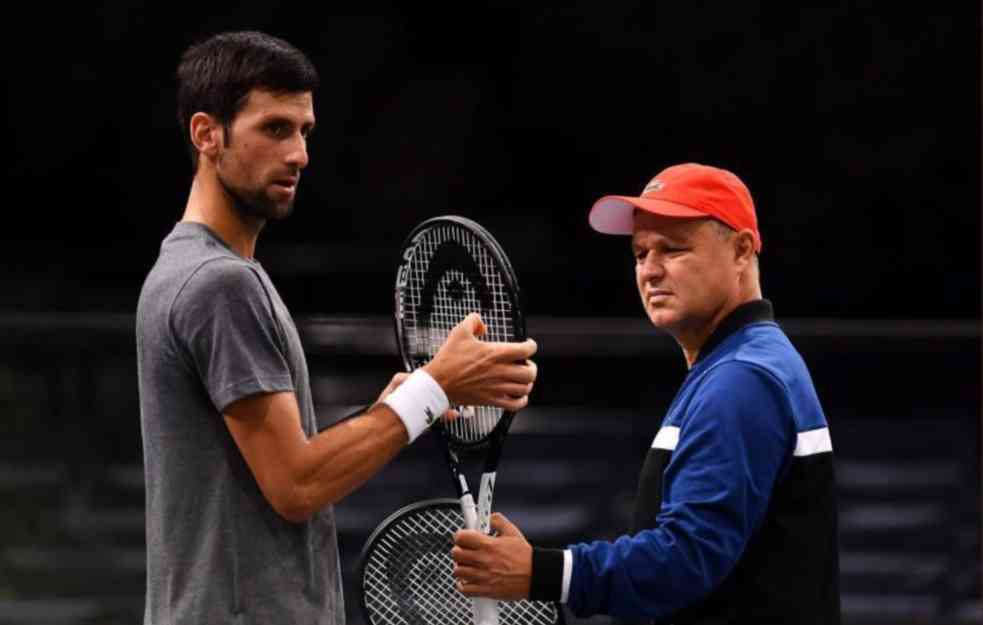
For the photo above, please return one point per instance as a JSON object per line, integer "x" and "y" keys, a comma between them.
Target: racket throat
{"x": 485, "y": 494}
{"x": 468, "y": 509}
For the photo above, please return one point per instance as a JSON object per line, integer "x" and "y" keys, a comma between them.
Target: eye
{"x": 278, "y": 129}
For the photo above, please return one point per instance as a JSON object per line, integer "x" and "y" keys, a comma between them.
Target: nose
{"x": 650, "y": 267}
{"x": 297, "y": 152}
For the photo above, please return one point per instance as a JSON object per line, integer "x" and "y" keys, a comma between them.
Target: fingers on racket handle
{"x": 485, "y": 611}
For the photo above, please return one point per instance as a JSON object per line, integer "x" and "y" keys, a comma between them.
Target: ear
{"x": 744, "y": 247}
{"x": 206, "y": 134}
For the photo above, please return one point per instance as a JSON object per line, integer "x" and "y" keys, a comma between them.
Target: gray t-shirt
{"x": 211, "y": 329}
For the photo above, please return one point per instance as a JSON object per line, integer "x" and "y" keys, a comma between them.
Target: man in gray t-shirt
{"x": 239, "y": 483}
{"x": 211, "y": 330}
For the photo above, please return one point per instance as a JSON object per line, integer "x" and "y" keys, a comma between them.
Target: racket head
{"x": 406, "y": 573}
{"x": 449, "y": 267}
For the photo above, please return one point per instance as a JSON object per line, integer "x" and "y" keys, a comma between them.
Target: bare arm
{"x": 299, "y": 475}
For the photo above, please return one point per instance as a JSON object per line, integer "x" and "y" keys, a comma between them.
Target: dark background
{"x": 856, "y": 127}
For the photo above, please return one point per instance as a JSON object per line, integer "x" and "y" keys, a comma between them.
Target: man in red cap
{"x": 735, "y": 520}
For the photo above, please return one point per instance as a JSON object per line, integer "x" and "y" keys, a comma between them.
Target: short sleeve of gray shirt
{"x": 224, "y": 319}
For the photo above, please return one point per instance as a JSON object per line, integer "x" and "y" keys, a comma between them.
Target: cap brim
{"x": 615, "y": 214}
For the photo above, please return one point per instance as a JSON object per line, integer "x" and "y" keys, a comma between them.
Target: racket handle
{"x": 469, "y": 512}
{"x": 485, "y": 610}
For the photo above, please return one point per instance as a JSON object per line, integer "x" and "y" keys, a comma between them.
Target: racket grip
{"x": 485, "y": 611}
{"x": 469, "y": 511}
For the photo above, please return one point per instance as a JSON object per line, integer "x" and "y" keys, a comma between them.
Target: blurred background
{"x": 856, "y": 127}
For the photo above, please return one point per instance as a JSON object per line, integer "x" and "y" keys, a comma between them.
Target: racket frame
{"x": 476, "y": 515}
{"x": 381, "y": 530}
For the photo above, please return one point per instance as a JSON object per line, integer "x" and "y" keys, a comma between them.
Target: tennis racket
{"x": 407, "y": 573}
{"x": 451, "y": 267}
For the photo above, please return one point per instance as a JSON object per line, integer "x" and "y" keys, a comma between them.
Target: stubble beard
{"x": 254, "y": 203}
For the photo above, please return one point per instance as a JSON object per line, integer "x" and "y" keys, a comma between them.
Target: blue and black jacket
{"x": 735, "y": 519}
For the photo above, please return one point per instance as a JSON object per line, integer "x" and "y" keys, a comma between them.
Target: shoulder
{"x": 741, "y": 390}
{"x": 739, "y": 405}
{"x": 220, "y": 277}
{"x": 768, "y": 347}
{"x": 740, "y": 377}
{"x": 770, "y": 351}
{"x": 218, "y": 288}
{"x": 762, "y": 373}
{"x": 760, "y": 354}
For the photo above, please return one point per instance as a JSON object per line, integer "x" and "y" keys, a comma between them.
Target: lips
{"x": 285, "y": 187}
{"x": 656, "y": 297}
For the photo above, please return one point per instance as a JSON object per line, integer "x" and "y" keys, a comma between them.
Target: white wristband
{"x": 419, "y": 402}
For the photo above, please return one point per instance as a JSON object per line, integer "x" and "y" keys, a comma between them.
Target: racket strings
{"x": 454, "y": 296}
{"x": 408, "y": 576}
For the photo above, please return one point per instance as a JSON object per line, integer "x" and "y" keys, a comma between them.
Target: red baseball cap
{"x": 687, "y": 190}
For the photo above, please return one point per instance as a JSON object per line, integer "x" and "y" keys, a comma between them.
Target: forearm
{"x": 299, "y": 474}
{"x": 648, "y": 575}
{"x": 343, "y": 457}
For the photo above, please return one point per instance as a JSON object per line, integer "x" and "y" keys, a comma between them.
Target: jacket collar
{"x": 747, "y": 313}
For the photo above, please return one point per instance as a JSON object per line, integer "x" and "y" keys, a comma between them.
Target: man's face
{"x": 685, "y": 271}
{"x": 263, "y": 152}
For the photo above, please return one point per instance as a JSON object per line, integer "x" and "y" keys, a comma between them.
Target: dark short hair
{"x": 216, "y": 75}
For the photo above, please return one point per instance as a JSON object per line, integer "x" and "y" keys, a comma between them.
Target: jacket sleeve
{"x": 735, "y": 440}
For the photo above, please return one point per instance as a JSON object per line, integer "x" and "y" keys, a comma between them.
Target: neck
{"x": 210, "y": 204}
{"x": 692, "y": 340}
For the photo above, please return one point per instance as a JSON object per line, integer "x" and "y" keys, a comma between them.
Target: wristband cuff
{"x": 419, "y": 402}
